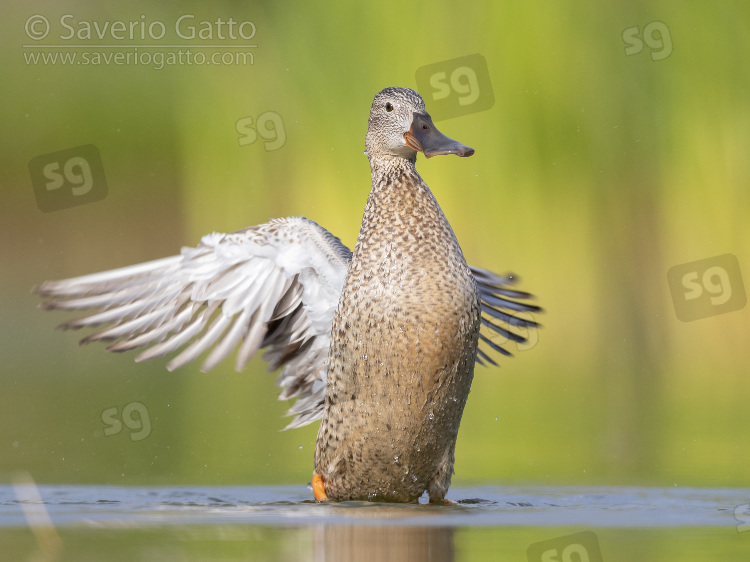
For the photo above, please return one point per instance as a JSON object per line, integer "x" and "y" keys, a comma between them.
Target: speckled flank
{"x": 403, "y": 348}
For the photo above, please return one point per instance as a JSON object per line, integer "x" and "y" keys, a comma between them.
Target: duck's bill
{"x": 424, "y": 137}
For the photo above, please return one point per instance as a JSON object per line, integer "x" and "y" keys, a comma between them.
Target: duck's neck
{"x": 386, "y": 171}
{"x": 401, "y": 206}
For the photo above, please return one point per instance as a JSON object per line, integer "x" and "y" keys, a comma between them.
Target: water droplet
{"x": 431, "y": 416}
{"x": 414, "y": 477}
{"x": 395, "y": 459}
{"x": 300, "y": 447}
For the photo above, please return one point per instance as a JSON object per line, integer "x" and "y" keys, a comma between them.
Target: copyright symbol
{"x": 37, "y": 27}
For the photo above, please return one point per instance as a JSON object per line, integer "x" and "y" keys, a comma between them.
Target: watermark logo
{"x": 742, "y": 515}
{"x": 68, "y": 178}
{"x": 579, "y": 547}
{"x": 268, "y": 125}
{"x": 529, "y": 334}
{"x": 186, "y": 27}
{"x": 706, "y": 287}
{"x": 37, "y": 27}
{"x": 142, "y": 41}
{"x": 456, "y": 87}
{"x": 655, "y": 36}
{"x": 134, "y": 417}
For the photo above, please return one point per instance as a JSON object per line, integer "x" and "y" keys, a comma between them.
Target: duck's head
{"x": 399, "y": 126}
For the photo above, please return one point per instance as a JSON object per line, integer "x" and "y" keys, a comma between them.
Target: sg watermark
{"x": 655, "y": 36}
{"x": 456, "y": 87}
{"x": 529, "y": 334}
{"x": 579, "y": 547}
{"x": 706, "y": 287}
{"x": 134, "y": 417}
{"x": 270, "y": 127}
{"x": 67, "y": 178}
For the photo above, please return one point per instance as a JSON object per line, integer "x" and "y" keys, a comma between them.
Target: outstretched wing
{"x": 273, "y": 286}
{"x": 499, "y": 302}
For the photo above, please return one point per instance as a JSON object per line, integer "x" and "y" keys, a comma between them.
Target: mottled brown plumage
{"x": 404, "y": 336}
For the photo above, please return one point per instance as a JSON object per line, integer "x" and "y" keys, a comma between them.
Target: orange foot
{"x": 443, "y": 501}
{"x": 319, "y": 488}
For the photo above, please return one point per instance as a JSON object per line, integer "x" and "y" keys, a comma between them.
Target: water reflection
{"x": 53, "y": 523}
{"x": 49, "y": 544}
{"x": 362, "y": 543}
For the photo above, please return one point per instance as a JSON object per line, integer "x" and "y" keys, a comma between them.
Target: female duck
{"x": 380, "y": 343}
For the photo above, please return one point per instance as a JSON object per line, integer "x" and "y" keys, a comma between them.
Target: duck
{"x": 379, "y": 343}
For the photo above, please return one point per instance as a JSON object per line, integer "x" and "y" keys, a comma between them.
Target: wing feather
{"x": 273, "y": 286}
{"x": 499, "y": 302}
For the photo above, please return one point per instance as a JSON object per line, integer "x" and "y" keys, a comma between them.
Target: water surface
{"x": 282, "y": 523}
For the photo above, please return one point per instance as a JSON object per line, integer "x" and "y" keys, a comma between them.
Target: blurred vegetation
{"x": 595, "y": 172}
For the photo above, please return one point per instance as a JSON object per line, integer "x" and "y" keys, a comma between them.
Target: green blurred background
{"x": 595, "y": 172}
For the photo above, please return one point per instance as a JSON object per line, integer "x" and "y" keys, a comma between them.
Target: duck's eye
{"x": 388, "y": 106}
